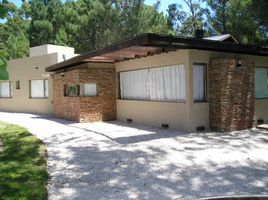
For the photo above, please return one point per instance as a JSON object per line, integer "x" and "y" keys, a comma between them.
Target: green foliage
{"x": 22, "y": 164}
{"x": 235, "y": 17}
{"x": 3, "y": 9}
{"x": 3, "y": 71}
{"x": 90, "y": 24}
{"x": 186, "y": 23}
{"x": 246, "y": 20}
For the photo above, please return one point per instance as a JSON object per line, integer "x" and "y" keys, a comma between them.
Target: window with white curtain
{"x": 155, "y": 84}
{"x": 39, "y": 89}
{"x": 261, "y": 82}
{"x": 199, "y": 82}
{"x": 5, "y": 89}
{"x": 134, "y": 84}
{"x": 88, "y": 89}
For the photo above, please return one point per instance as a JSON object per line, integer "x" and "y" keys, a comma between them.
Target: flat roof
{"x": 149, "y": 44}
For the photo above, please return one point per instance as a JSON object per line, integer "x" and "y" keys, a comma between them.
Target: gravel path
{"x": 102, "y": 161}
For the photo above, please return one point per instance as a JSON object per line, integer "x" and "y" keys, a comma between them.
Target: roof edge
{"x": 164, "y": 41}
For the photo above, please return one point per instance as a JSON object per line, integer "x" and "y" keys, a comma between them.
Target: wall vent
{"x": 260, "y": 121}
{"x": 129, "y": 120}
{"x": 165, "y": 126}
{"x": 200, "y": 128}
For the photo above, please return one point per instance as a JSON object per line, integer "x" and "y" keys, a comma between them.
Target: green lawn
{"x": 23, "y": 173}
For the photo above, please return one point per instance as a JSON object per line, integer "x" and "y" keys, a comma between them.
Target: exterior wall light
{"x": 239, "y": 64}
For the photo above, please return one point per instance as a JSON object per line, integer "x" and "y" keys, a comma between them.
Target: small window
{"x": 199, "y": 82}
{"x": 261, "y": 82}
{"x": 17, "y": 85}
{"x": 84, "y": 89}
{"x": 89, "y": 89}
{"x": 71, "y": 90}
{"x": 5, "y": 89}
{"x": 39, "y": 89}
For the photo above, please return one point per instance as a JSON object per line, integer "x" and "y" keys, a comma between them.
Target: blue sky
{"x": 163, "y": 6}
{"x": 164, "y": 3}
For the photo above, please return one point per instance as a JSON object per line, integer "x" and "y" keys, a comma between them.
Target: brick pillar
{"x": 231, "y": 94}
{"x": 81, "y": 108}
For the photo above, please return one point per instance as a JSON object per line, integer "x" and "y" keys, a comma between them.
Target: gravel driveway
{"x": 115, "y": 161}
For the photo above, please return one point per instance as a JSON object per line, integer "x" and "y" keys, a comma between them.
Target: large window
{"x": 155, "y": 84}
{"x": 39, "y": 89}
{"x": 5, "y": 89}
{"x": 261, "y": 82}
{"x": 199, "y": 82}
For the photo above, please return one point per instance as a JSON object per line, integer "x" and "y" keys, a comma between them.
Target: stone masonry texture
{"x": 231, "y": 94}
{"x": 86, "y": 109}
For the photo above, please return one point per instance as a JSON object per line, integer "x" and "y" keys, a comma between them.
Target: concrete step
{"x": 262, "y": 126}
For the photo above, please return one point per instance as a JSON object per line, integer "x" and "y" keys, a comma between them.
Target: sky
{"x": 164, "y": 4}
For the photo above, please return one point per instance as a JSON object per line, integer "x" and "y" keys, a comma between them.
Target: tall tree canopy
{"x": 246, "y": 20}
{"x": 90, "y": 24}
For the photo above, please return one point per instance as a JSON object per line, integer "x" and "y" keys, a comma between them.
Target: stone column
{"x": 231, "y": 94}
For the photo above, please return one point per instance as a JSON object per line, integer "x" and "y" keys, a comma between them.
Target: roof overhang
{"x": 150, "y": 44}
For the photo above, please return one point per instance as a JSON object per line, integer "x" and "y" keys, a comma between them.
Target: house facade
{"x": 30, "y": 88}
{"x": 181, "y": 83}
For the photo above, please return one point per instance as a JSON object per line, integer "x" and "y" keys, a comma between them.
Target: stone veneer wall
{"x": 86, "y": 109}
{"x": 231, "y": 94}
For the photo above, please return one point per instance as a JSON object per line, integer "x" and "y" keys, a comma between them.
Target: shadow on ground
{"x": 120, "y": 161}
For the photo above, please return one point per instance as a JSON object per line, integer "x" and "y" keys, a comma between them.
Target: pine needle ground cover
{"x": 23, "y": 172}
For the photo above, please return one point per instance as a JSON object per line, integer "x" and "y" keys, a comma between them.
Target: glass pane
{"x": 167, "y": 83}
{"x": 37, "y": 88}
{"x": 261, "y": 82}
{"x": 73, "y": 90}
{"x": 5, "y": 89}
{"x": 90, "y": 89}
{"x": 134, "y": 84}
{"x": 199, "y": 82}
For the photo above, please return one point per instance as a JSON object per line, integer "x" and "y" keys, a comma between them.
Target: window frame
{"x": 66, "y": 89}
{"x": 10, "y": 90}
{"x": 44, "y": 89}
{"x": 205, "y": 83}
{"x": 262, "y": 67}
{"x": 148, "y": 100}
{"x": 83, "y": 85}
{"x": 17, "y": 85}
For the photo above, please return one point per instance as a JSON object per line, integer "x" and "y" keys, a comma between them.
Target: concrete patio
{"x": 121, "y": 161}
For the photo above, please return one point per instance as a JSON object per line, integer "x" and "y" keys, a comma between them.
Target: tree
{"x": 3, "y": 9}
{"x": 236, "y": 18}
{"x": 152, "y": 21}
{"x": 258, "y": 10}
{"x": 186, "y": 23}
{"x": 3, "y": 63}
{"x": 217, "y": 15}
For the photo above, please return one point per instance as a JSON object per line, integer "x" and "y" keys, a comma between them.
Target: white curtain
{"x": 37, "y": 89}
{"x": 157, "y": 84}
{"x": 133, "y": 84}
{"x": 5, "y": 89}
{"x": 261, "y": 82}
{"x": 167, "y": 83}
{"x": 199, "y": 82}
{"x": 90, "y": 89}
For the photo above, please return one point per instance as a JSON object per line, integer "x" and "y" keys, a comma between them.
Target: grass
{"x": 23, "y": 172}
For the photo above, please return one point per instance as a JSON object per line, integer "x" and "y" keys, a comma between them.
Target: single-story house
{"x": 30, "y": 88}
{"x": 182, "y": 83}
